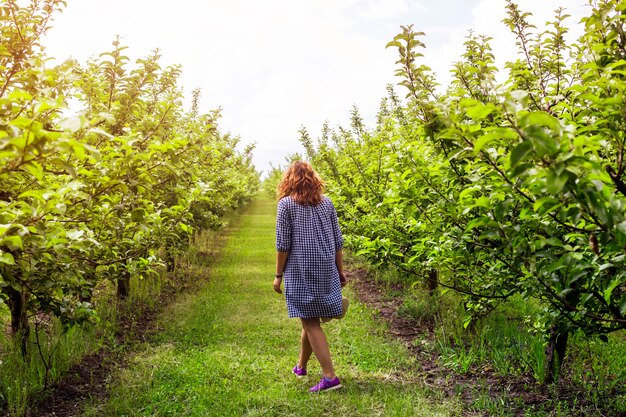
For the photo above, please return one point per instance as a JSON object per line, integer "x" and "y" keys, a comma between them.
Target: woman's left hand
{"x": 277, "y": 288}
{"x": 342, "y": 279}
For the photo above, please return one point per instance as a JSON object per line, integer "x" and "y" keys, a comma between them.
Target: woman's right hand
{"x": 277, "y": 282}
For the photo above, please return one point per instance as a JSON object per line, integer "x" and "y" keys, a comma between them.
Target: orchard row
{"x": 104, "y": 175}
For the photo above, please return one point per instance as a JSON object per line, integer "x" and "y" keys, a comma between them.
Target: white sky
{"x": 275, "y": 65}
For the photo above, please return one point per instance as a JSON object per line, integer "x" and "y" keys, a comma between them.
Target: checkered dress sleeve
{"x": 336, "y": 230}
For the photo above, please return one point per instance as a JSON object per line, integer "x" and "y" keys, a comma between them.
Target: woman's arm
{"x": 283, "y": 241}
{"x": 281, "y": 261}
{"x": 339, "y": 263}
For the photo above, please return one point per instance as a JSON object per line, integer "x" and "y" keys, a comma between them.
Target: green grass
{"x": 53, "y": 351}
{"x": 228, "y": 350}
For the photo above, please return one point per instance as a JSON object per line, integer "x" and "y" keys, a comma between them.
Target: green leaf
{"x": 477, "y": 222}
{"x": 23, "y": 123}
{"x": 137, "y": 215}
{"x": 18, "y": 95}
{"x": 597, "y": 204}
{"x": 589, "y": 97}
{"x": 36, "y": 194}
{"x": 520, "y": 152}
{"x": 480, "y": 111}
{"x": 609, "y": 290}
{"x": 35, "y": 169}
{"x": 555, "y": 182}
{"x": 6, "y": 258}
{"x": 542, "y": 119}
{"x": 393, "y": 43}
{"x": 483, "y": 201}
{"x": 546, "y": 205}
{"x": 13, "y": 243}
{"x": 485, "y": 139}
{"x": 519, "y": 170}
{"x": 553, "y": 241}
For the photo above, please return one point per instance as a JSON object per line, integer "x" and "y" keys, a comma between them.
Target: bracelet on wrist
{"x": 279, "y": 275}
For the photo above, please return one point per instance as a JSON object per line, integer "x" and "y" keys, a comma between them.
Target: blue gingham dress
{"x": 311, "y": 235}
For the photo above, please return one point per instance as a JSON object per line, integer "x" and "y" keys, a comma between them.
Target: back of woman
{"x": 311, "y": 236}
{"x": 309, "y": 258}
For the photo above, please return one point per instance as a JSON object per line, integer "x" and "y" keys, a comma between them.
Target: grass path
{"x": 228, "y": 350}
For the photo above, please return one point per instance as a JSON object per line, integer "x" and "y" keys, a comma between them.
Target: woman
{"x": 309, "y": 257}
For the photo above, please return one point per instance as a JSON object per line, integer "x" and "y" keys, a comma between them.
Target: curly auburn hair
{"x": 302, "y": 183}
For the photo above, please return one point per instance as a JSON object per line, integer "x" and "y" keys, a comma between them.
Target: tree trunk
{"x": 19, "y": 317}
{"x": 170, "y": 261}
{"x": 123, "y": 285}
{"x": 555, "y": 353}
{"x": 432, "y": 282}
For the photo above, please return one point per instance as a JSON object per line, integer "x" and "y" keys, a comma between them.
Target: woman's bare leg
{"x": 319, "y": 345}
{"x": 305, "y": 350}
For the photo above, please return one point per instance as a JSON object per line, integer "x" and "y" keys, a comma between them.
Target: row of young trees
{"x": 496, "y": 190}
{"x": 103, "y": 173}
